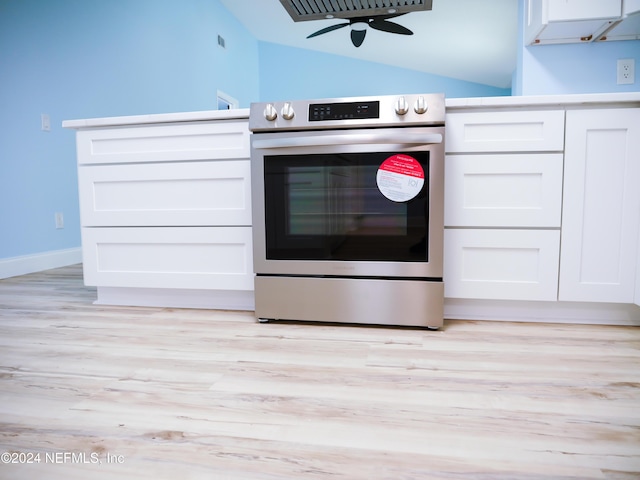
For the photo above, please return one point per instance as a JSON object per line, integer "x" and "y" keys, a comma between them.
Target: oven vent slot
{"x": 303, "y": 10}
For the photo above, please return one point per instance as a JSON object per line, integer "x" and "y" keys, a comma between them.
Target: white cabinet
{"x": 216, "y": 192}
{"x": 502, "y": 264}
{"x": 204, "y": 258}
{"x": 569, "y": 21}
{"x": 510, "y": 192}
{"x": 508, "y": 131}
{"x": 601, "y": 210}
{"x": 171, "y": 142}
{"x": 515, "y": 190}
{"x": 503, "y": 198}
{"x": 165, "y": 209}
{"x": 628, "y": 27}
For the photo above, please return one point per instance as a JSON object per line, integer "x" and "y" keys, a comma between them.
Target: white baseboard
{"x": 14, "y": 266}
{"x": 542, "y": 312}
{"x": 176, "y": 298}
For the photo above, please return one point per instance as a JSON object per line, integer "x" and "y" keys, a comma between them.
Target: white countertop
{"x": 576, "y": 100}
{"x": 239, "y": 113}
{"x": 586, "y": 99}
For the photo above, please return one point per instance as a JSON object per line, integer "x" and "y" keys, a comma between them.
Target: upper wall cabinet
{"x": 628, "y": 27}
{"x": 575, "y": 21}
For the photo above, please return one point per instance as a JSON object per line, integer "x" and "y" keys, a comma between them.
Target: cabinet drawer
{"x": 163, "y": 143}
{"x": 215, "y": 258}
{"x": 502, "y": 190}
{"x": 531, "y": 131}
{"x": 166, "y": 194}
{"x": 501, "y": 264}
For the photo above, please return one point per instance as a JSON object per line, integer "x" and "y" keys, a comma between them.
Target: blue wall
{"x": 579, "y": 68}
{"x": 94, "y": 58}
{"x": 80, "y": 59}
{"x": 312, "y": 74}
{"x": 571, "y": 68}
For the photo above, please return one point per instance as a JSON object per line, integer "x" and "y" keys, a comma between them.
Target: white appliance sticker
{"x": 400, "y": 178}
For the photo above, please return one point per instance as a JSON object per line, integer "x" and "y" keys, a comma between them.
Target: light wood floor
{"x": 153, "y": 393}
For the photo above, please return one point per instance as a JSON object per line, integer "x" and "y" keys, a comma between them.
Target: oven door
{"x": 359, "y": 203}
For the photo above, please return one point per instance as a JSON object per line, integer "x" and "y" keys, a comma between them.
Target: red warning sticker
{"x": 400, "y": 178}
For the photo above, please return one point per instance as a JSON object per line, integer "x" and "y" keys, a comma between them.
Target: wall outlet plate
{"x": 626, "y": 71}
{"x": 45, "y": 122}
{"x": 59, "y": 220}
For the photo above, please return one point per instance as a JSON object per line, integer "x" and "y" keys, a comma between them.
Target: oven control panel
{"x": 382, "y": 111}
{"x": 323, "y": 112}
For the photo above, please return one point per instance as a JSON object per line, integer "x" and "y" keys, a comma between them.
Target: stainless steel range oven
{"x": 348, "y": 209}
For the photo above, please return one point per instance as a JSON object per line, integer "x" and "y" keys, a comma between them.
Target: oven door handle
{"x": 349, "y": 139}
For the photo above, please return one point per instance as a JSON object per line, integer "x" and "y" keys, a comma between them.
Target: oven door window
{"x": 329, "y": 207}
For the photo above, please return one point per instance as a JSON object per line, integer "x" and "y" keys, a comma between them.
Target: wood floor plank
{"x": 107, "y": 392}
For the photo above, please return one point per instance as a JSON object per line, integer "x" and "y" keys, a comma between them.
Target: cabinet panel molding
{"x": 521, "y": 131}
{"x": 601, "y": 203}
{"x": 182, "y": 258}
{"x": 166, "y": 194}
{"x": 502, "y": 190}
{"x": 164, "y": 143}
{"x": 501, "y": 264}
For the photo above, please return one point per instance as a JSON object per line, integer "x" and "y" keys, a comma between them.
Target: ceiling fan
{"x": 359, "y": 27}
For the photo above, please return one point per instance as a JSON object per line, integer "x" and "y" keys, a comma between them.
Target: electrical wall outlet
{"x": 45, "y": 122}
{"x": 626, "y": 71}
{"x": 59, "y": 220}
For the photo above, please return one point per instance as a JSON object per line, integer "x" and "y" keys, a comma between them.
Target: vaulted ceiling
{"x": 472, "y": 40}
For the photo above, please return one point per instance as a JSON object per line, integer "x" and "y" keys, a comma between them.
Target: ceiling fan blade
{"x": 328, "y": 29}
{"x": 357, "y": 37}
{"x": 386, "y": 17}
{"x": 390, "y": 27}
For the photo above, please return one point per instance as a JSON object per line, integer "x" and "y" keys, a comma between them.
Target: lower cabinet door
{"x": 501, "y": 264}
{"x": 601, "y": 207}
{"x": 217, "y": 258}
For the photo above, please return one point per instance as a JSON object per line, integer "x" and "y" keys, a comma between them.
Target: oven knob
{"x": 401, "y": 106}
{"x": 270, "y": 113}
{"x": 421, "y": 106}
{"x": 287, "y": 111}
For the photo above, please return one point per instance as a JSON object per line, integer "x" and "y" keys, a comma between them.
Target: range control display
{"x": 319, "y": 112}
{"x": 411, "y": 110}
